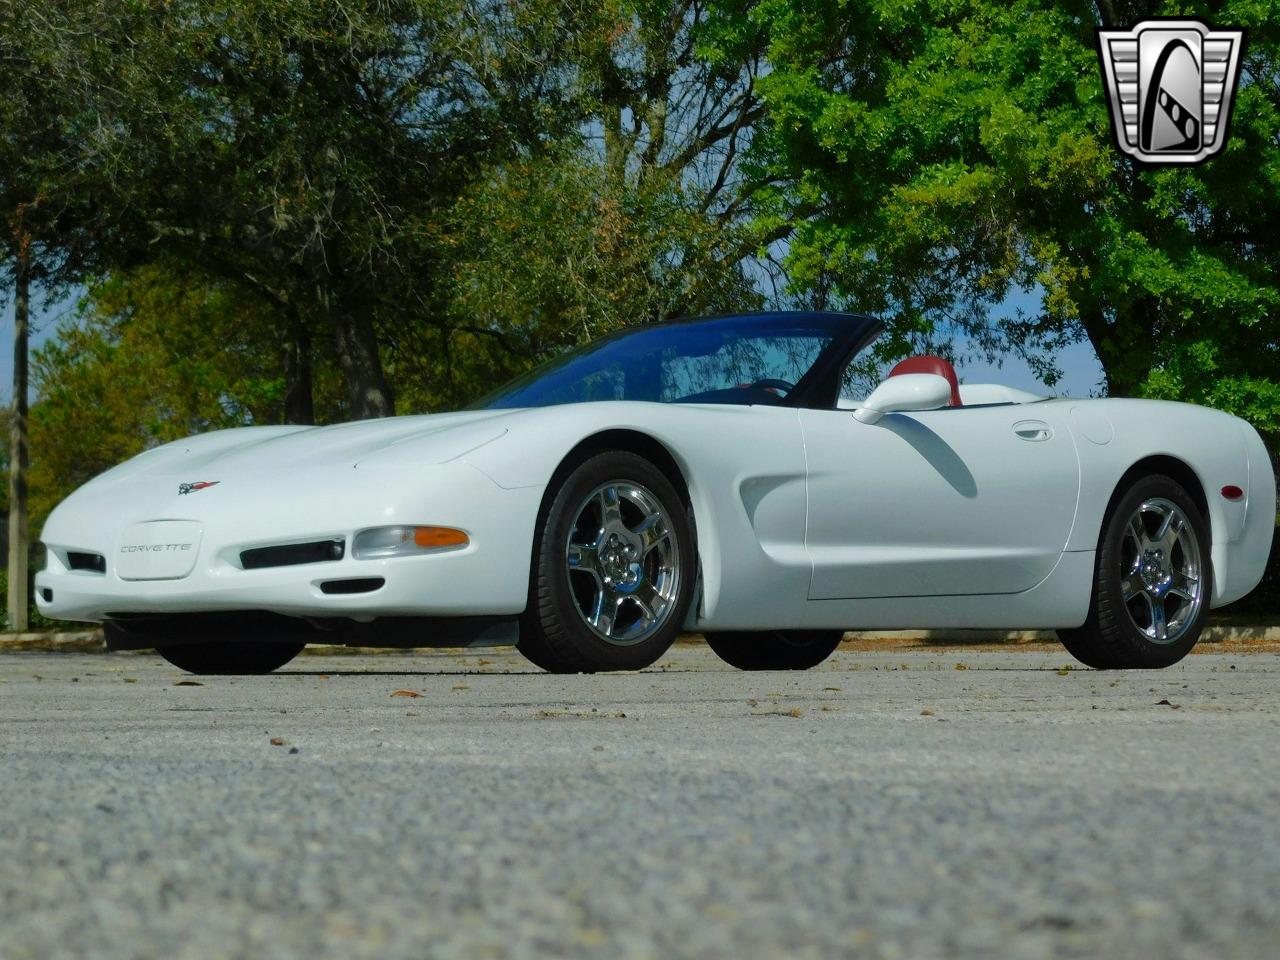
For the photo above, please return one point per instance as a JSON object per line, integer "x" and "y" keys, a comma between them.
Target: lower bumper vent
{"x": 356, "y": 585}
{"x": 291, "y": 554}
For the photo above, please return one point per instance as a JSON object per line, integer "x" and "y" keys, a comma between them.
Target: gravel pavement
{"x": 937, "y": 803}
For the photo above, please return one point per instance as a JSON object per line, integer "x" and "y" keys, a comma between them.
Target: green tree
{"x": 641, "y": 213}
{"x": 638, "y": 212}
{"x": 935, "y": 156}
{"x": 545, "y": 253}
{"x": 302, "y": 149}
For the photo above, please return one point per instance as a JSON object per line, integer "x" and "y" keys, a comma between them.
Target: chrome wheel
{"x": 1161, "y": 580}
{"x": 623, "y": 562}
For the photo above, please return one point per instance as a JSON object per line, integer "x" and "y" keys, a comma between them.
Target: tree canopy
{"x": 935, "y": 156}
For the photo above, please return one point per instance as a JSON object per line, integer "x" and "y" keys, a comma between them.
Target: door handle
{"x": 1033, "y": 430}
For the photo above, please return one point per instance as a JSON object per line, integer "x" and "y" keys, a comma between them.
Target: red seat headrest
{"x": 927, "y": 363}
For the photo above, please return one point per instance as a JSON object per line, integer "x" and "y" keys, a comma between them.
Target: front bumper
{"x": 489, "y": 576}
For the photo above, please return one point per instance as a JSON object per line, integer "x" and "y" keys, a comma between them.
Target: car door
{"x": 965, "y": 500}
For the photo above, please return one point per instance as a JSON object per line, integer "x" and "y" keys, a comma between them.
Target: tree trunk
{"x": 299, "y": 402}
{"x": 367, "y": 388}
{"x": 18, "y": 454}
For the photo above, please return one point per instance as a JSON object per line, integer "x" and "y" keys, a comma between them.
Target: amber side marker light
{"x": 1232, "y": 492}
{"x": 428, "y": 537}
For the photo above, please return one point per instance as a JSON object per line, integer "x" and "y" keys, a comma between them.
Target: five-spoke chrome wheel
{"x": 623, "y": 562}
{"x": 1160, "y": 570}
{"x": 1152, "y": 579}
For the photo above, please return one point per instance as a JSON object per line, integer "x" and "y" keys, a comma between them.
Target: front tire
{"x": 1152, "y": 582}
{"x": 613, "y": 569}
{"x": 775, "y": 649}
{"x": 245, "y": 642}
{"x": 230, "y": 657}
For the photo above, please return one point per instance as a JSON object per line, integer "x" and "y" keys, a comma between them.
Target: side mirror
{"x": 907, "y": 391}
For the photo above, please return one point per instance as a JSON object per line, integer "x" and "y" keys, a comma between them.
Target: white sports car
{"x": 706, "y": 475}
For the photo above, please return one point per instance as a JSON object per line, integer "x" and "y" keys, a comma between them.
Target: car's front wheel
{"x": 775, "y": 649}
{"x": 614, "y": 569}
{"x": 211, "y": 643}
{"x": 1152, "y": 582}
{"x": 230, "y": 657}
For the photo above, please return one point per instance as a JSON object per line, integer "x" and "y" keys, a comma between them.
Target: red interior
{"x": 935, "y": 365}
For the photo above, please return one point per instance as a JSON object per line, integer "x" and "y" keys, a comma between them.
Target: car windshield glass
{"x": 742, "y": 360}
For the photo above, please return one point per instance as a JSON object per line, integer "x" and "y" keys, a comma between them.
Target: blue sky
{"x": 44, "y": 320}
{"x": 1082, "y": 373}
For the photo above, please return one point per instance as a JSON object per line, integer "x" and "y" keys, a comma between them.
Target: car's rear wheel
{"x": 230, "y": 657}
{"x": 613, "y": 569}
{"x": 775, "y": 649}
{"x": 1152, "y": 582}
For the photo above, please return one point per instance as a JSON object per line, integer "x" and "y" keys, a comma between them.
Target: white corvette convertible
{"x": 707, "y": 475}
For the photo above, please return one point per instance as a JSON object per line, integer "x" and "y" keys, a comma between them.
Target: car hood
{"x": 432, "y": 438}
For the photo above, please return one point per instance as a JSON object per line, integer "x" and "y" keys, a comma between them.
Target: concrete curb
{"x": 87, "y": 640}
{"x": 52, "y": 640}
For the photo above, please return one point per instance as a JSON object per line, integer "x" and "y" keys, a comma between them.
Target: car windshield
{"x": 754, "y": 359}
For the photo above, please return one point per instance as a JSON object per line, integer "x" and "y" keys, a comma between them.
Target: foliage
{"x": 640, "y": 213}
{"x": 937, "y": 155}
{"x": 301, "y": 148}
{"x": 547, "y": 252}
{"x": 317, "y": 152}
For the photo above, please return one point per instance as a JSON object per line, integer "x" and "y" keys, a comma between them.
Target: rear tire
{"x": 775, "y": 649}
{"x": 613, "y": 569}
{"x": 1152, "y": 582}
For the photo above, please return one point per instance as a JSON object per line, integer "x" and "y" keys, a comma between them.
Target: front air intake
{"x": 292, "y": 554}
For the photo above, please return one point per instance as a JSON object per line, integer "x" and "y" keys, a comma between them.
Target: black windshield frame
{"x": 818, "y": 388}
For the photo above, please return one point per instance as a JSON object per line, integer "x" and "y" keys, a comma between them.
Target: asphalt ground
{"x": 891, "y": 803}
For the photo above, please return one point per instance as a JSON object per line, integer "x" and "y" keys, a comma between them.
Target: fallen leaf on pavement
{"x": 277, "y": 741}
{"x": 1166, "y": 703}
{"x": 926, "y": 712}
{"x": 187, "y": 683}
{"x": 405, "y": 693}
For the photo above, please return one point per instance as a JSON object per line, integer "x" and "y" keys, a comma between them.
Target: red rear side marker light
{"x": 1232, "y": 492}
